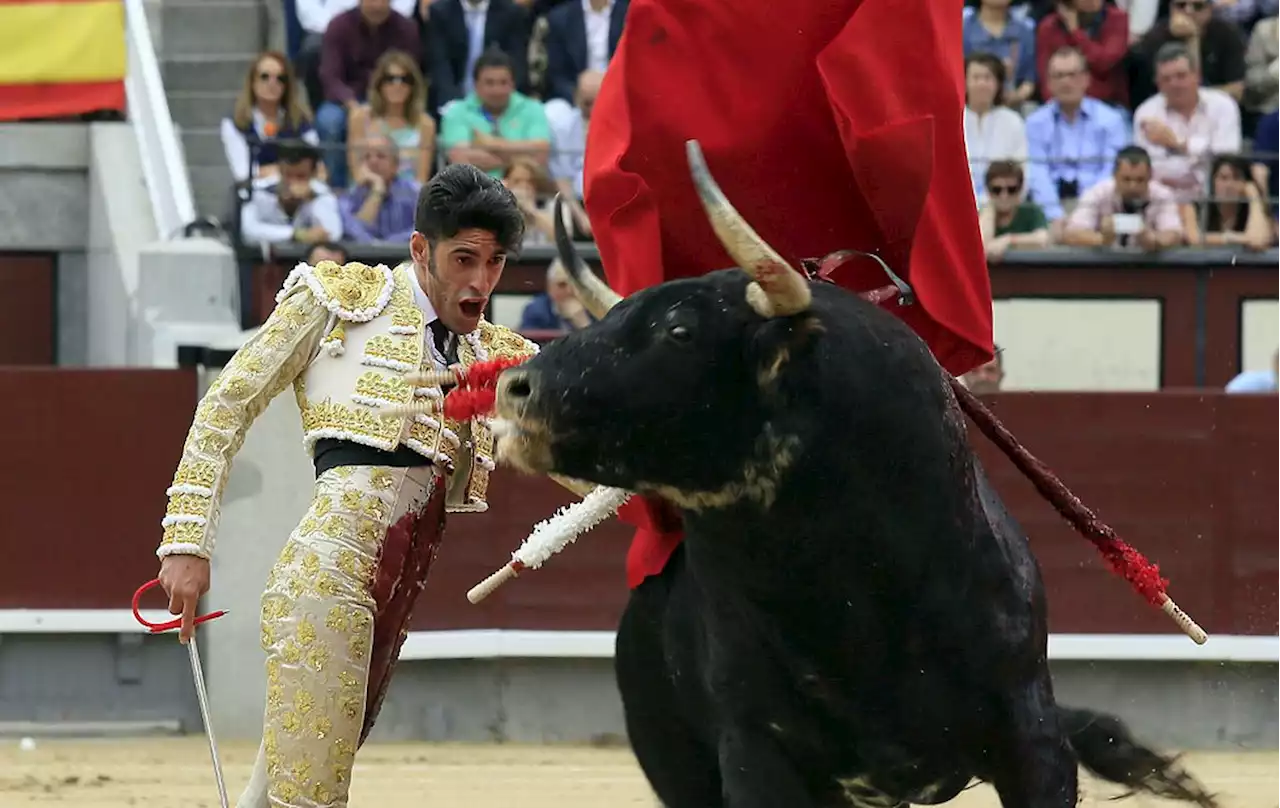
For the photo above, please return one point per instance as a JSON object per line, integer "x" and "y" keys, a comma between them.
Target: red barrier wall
{"x": 1189, "y": 478}
{"x": 28, "y": 283}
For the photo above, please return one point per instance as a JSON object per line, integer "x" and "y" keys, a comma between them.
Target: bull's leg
{"x": 1034, "y": 766}
{"x": 757, "y": 773}
{"x": 317, "y": 629}
{"x": 680, "y": 766}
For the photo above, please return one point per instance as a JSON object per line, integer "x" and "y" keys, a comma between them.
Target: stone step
{"x": 220, "y": 72}
{"x": 205, "y": 27}
{"x": 203, "y": 146}
{"x": 211, "y": 187}
{"x": 200, "y": 109}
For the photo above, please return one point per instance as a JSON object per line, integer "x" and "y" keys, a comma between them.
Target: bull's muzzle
{"x": 523, "y": 438}
{"x": 515, "y": 391}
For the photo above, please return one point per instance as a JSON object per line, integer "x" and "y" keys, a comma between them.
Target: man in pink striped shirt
{"x": 1103, "y": 214}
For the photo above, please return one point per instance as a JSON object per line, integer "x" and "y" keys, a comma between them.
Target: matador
{"x": 349, "y": 340}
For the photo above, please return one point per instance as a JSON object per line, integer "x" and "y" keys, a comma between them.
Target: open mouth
{"x": 472, "y": 309}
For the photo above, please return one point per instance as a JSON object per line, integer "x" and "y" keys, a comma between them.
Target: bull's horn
{"x": 779, "y": 289}
{"x": 595, "y": 294}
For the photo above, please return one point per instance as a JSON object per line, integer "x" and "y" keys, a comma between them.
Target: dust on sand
{"x": 156, "y": 773}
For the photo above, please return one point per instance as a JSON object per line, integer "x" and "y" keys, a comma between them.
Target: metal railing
{"x": 164, "y": 166}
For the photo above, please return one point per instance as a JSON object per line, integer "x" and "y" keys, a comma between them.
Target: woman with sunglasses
{"x": 268, "y": 109}
{"x": 397, "y": 103}
{"x": 1006, "y": 220}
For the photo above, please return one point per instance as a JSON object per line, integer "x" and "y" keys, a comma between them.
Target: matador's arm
{"x": 266, "y": 364}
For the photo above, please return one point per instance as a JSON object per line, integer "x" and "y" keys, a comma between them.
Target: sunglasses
{"x": 278, "y": 78}
{"x": 395, "y": 78}
{"x": 1192, "y": 5}
{"x": 1005, "y": 190}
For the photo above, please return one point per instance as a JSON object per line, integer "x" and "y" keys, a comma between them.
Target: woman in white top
{"x": 992, "y": 131}
{"x": 270, "y": 108}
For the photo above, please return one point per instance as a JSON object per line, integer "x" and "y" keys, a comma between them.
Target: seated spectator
{"x": 397, "y": 103}
{"x": 464, "y": 30}
{"x": 495, "y": 124}
{"x": 581, "y": 36}
{"x": 558, "y": 308}
{"x": 986, "y": 379}
{"x": 1185, "y": 124}
{"x": 1262, "y": 67}
{"x": 1257, "y": 381}
{"x": 1100, "y": 33}
{"x": 568, "y": 125}
{"x": 1266, "y": 143}
{"x": 1012, "y": 40}
{"x": 1006, "y": 220}
{"x": 1129, "y": 190}
{"x": 533, "y": 190}
{"x": 991, "y": 131}
{"x": 1072, "y": 141}
{"x": 294, "y": 205}
{"x": 327, "y": 251}
{"x": 268, "y": 109}
{"x": 1219, "y": 45}
{"x": 380, "y": 204}
{"x": 314, "y": 17}
{"x": 353, "y": 43}
{"x": 1236, "y": 213}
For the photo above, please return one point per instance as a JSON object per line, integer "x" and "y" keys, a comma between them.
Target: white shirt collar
{"x": 419, "y": 295}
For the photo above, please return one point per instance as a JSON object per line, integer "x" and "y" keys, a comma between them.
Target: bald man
{"x": 569, "y": 142}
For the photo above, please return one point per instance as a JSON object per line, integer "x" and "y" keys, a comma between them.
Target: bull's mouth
{"x": 523, "y": 442}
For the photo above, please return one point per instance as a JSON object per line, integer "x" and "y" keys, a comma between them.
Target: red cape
{"x": 830, "y": 126}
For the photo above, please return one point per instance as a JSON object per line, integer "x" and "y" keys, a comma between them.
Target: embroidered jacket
{"x": 344, "y": 337}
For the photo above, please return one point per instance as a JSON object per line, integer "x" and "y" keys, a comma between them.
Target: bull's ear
{"x": 780, "y": 343}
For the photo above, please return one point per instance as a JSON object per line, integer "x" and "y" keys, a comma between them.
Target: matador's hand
{"x": 185, "y": 579}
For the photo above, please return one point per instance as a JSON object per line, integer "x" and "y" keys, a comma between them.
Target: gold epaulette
{"x": 500, "y": 341}
{"x": 355, "y": 292}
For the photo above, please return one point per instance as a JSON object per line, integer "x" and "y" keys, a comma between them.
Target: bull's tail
{"x": 1104, "y": 746}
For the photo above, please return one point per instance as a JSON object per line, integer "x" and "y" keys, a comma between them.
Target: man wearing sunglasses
{"x": 1219, "y": 43}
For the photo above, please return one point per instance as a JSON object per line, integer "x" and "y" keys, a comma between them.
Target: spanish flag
{"x": 61, "y": 58}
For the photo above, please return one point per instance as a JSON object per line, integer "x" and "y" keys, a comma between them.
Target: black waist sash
{"x": 330, "y": 453}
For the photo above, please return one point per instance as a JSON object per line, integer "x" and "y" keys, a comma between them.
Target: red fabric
{"x": 1104, "y": 53}
{"x": 837, "y": 125}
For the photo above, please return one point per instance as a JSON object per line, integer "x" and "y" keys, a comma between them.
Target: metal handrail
{"x": 164, "y": 166}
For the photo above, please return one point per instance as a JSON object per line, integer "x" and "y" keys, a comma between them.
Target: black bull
{"x": 853, "y": 619}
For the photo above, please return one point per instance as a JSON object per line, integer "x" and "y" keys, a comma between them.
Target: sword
{"x": 197, "y": 674}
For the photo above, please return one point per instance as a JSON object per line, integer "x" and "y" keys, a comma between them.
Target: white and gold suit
{"x": 345, "y": 337}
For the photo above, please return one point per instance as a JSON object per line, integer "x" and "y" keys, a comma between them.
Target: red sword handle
{"x": 156, "y": 628}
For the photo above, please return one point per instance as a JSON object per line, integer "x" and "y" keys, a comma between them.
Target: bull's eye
{"x": 679, "y": 333}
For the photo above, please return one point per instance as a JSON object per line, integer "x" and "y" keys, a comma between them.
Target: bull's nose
{"x": 515, "y": 387}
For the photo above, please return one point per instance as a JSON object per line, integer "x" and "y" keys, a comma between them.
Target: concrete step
{"x": 200, "y": 109}
{"x": 218, "y": 72}
{"x": 203, "y": 146}
{"x": 205, "y": 27}
{"x": 211, "y": 187}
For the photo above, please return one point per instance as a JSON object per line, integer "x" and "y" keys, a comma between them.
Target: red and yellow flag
{"x": 61, "y": 57}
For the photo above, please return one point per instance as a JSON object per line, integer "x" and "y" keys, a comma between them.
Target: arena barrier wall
{"x": 1189, "y": 477}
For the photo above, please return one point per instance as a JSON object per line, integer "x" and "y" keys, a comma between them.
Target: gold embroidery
{"x": 196, "y": 472}
{"x": 355, "y": 287}
{"x": 406, "y": 350}
{"x": 187, "y": 505}
{"x": 385, "y": 388}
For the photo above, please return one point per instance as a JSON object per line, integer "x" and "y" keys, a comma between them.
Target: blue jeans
{"x": 331, "y": 126}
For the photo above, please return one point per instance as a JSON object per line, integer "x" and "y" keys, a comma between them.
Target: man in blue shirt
{"x": 1072, "y": 141}
{"x": 381, "y": 205}
{"x": 1257, "y": 381}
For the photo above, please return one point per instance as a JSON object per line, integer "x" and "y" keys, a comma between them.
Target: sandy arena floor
{"x": 159, "y": 773}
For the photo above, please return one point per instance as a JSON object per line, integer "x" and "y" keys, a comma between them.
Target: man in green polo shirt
{"x": 494, "y": 123}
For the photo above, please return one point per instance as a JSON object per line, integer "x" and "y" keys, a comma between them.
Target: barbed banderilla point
{"x": 197, "y": 674}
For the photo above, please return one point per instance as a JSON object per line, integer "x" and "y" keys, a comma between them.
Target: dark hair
{"x": 294, "y": 150}
{"x": 462, "y": 197}
{"x": 1213, "y": 215}
{"x": 1004, "y": 168}
{"x": 993, "y": 63}
{"x": 1134, "y": 156}
{"x": 492, "y": 57}
{"x": 330, "y": 246}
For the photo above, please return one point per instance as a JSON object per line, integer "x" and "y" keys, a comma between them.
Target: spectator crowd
{"x": 1129, "y": 124}
{"x": 1138, "y": 125}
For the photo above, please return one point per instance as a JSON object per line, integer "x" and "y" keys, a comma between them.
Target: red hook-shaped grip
{"x": 156, "y": 628}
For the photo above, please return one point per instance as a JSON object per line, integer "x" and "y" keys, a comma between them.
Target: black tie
{"x": 444, "y": 341}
